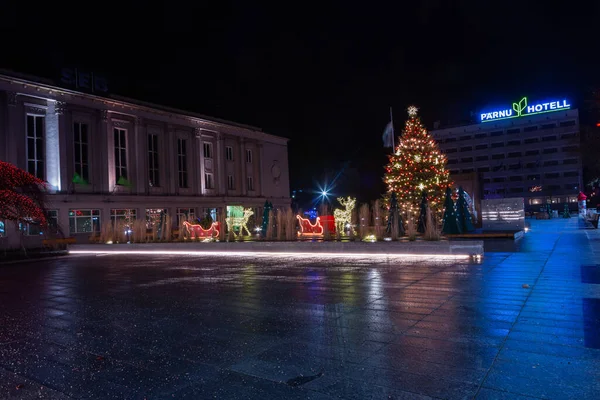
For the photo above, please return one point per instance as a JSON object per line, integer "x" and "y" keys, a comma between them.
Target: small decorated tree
{"x": 566, "y": 212}
{"x": 450, "y": 221}
{"x": 395, "y": 225}
{"x": 462, "y": 212}
{"x": 423, "y": 213}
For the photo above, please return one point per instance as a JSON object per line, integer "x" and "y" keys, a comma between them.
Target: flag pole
{"x": 393, "y": 133}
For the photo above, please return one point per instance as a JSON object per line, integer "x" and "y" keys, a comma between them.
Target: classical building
{"x": 105, "y": 157}
{"x": 529, "y": 150}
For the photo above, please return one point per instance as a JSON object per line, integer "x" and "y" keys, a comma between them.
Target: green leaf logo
{"x": 520, "y": 106}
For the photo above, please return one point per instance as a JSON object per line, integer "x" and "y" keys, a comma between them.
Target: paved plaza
{"x": 522, "y": 323}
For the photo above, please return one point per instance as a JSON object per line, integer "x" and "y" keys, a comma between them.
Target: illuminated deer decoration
{"x": 242, "y": 222}
{"x": 344, "y": 217}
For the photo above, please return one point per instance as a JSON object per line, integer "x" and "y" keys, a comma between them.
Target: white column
{"x": 107, "y": 161}
{"x": 171, "y": 167}
{"x": 261, "y": 170}
{"x": 15, "y": 132}
{"x": 200, "y": 184}
{"x": 52, "y": 146}
{"x": 140, "y": 156}
{"x": 220, "y": 169}
{"x": 243, "y": 168}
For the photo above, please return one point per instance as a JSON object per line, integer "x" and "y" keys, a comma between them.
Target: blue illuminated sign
{"x": 522, "y": 109}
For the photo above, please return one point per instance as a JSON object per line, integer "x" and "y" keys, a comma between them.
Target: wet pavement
{"x": 522, "y": 323}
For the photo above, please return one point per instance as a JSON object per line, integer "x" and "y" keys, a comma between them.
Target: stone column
{"x": 140, "y": 156}
{"x": 105, "y": 163}
{"x": 261, "y": 171}
{"x": 200, "y": 184}
{"x": 243, "y": 167}
{"x": 52, "y": 147}
{"x": 65, "y": 145}
{"x": 15, "y": 131}
{"x": 171, "y": 166}
{"x": 220, "y": 168}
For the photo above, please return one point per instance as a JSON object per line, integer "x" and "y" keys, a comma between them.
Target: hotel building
{"x": 105, "y": 156}
{"x": 532, "y": 154}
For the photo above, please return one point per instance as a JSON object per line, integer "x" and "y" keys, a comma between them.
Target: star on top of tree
{"x": 412, "y": 111}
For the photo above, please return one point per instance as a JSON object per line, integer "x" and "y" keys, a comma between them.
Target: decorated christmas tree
{"x": 450, "y": 221}
{"x": 462, "y": 212}
{"x": 417, "y": 166}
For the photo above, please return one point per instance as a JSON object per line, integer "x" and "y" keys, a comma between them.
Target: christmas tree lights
{"x": 21, "y": 195}
{"x": 417, "y": 166}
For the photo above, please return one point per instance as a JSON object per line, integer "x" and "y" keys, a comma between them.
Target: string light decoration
{"x": 417, "y": 165}
{"x": 21, "y": 195}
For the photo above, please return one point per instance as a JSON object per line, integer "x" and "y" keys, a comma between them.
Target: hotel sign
{"x": 523, "y": 109}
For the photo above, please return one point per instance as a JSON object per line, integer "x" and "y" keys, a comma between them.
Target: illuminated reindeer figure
{"x": 344, "y": 217}
{"x": 242, "y": 222}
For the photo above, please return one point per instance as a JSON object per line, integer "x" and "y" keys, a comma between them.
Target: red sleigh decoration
{"x": 316, "y": 229}
{"x": 196, "y": 231}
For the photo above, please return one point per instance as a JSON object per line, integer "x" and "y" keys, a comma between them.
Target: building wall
{"x": 61, "y": 109}
{"x": 514, "y": 156}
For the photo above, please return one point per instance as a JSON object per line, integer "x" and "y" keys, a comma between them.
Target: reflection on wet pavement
{"x": 263, "y": 328}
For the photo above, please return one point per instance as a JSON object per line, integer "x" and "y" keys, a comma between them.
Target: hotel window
{"x": 515, "y": 178}
{"x": 514, "y": 166}
{"x": 453, "y": 150}
{"x": 250, "y": 183}
{"x": 209, "y": 182}
{"x": 551, "y": 162}
{"x": 230, "y": 182}
{"x": 570, "y": 148}
{"x": 153, "y": 174}
{"x": 514, "y": 143}
{"x": 548, "y": 126}
{"x": 481, "y": 158}
{"x": 453, "y": 161}
{"x": 182, "y": 163}
{"x": 552, "y": 175}
{"x": 84, "y": 221}
{"x": 570, "y": 161}
{"x": 501, "y": 191}
{"x": 466, "y": 159}
{"x": 548, "y": 138}
{"x": 497, "y": 133}
{"x": 453, "y": 171}
{"x": 531, "y": 140}
{"x": 553, "y": 187}
{"x": 465, "y": 137}
{"x": 550, "y": 151}
{"x": 185, "y": 214}
{"x": 513, "y": 131}
{"x": 80, "y": 140}
{"x": 499, "y": 179}
{"x": 120, "y": 154}
{"x": 497, "y": 144}
{"x": 248, "y": 156}
{"x": 533, "y": 177}
{"x": 486, "y": 180}
{"x": 208, "y": 150}
{"x": 450, "y": 140}
{"x": 480, "y": 135}
{"x": 33, "y": 228}
{"x": 530, "y": 129}
{"x": 35, "y": 146}
{"x": 531, "y": 165}
{"x": 466, "y": 148}
{"x": 483, "y": 169}
{"x": 497, "y": 156}
{"x": 568, "y": 136}
{"x": 514, "y": 154}
{"x": 516, "y": 190}
{"x": 467, "y": 170}
{"x": 125, "y": 215}
{"x": 229, "y": 153}
{"x": 570, "y": 173}
{"x": 481, "y": 146}
{"x": 532, "y": 152}
{"x": 567, "y": 123}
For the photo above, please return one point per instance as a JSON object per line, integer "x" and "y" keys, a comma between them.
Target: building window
{"x": 533, "y": 177}
{"x": 182, "y": 163}
{"x": 568, "y": 123}
{"x": 481, "y": 146}
{"x": 514, "y": 154}
{"x": 453, "y": 171}
{"x": 230, "y": 182}
{"x": 531, "y": 165}
{"x": 467, "y": 170}
{"x": 568, "y": 136}
{"x": 248, "y": 156}
{"x": 515, "y": 178}
{"x": 570, "y": 161}
{"x": 453, "y": 150}
{"x": 551, "y": 162}
{"x": 185, "y": 214}
{"x": 449, "y": 140}
{"x": 497, "y": 133}
{"x": 552, "y": 175}
{"x": 466, "y": 148}
{"x": 453, "y": 161}
{"x": 481, "y": 158}
{"x": 120, "y": 154}
{"x": 570, "y": 148}
{"x": 486, "y": 180}
{"x": 514, "y": 166}
{"x": 466, "y": 159}
{"x": 513, "y": 131}
{"x": 497, "y": 180}
{"x": 570, "y": 173}
{"x": 209, "y": 182}
{"x": 531, "y": 140}
{"x": 497, "y": 144}
{"x": 514, "y": 142}
{"x": 153, "y": 174}
{"x": 550, "y": 151}
{"x": 250, "y": 183}
{"x": 80, "y": 140}
{"x": 532, "y": 152}
{"x": 465, "y": 137}
{"x": 530, "y": 129}
{"x": 548, "y": 126}
{"x": 84, "y": 221}
{"x": 35, "y": 146}
{"x": 483, "y": 169}
{"x": 497, "y": 156}
{"x": 229, "y": 153}
{"x": 480, "y": 135}
{"x": 126, "y": 216}
{"x": 208, "y": 150}
{"x": 548, "y": 138}
{"x": 33, "y": 228}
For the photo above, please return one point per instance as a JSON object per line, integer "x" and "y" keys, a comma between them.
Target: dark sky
{"x": 322, "y": 75}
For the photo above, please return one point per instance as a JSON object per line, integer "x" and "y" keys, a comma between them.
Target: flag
{"x": 388, "y": 135}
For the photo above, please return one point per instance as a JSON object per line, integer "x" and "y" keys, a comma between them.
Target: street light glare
{"x": 324, "y": 193}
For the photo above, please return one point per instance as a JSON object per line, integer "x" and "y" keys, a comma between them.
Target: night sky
{"x": 323, "y": 75}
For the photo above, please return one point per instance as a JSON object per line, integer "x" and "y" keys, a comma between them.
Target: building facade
{"x": 533, "y": 153}
{"x": 105, "y": 157}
